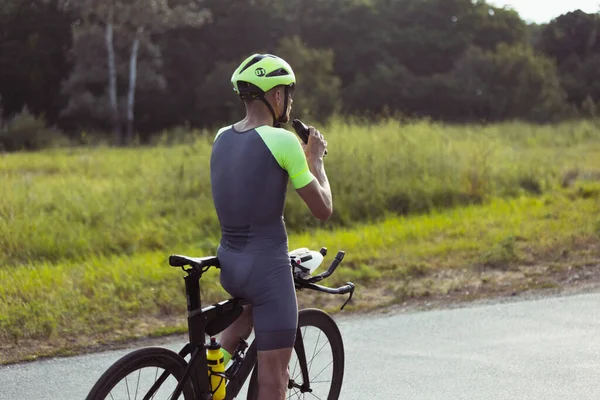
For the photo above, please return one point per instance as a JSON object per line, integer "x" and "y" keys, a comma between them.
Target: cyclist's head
{"x": 267, "y": 78}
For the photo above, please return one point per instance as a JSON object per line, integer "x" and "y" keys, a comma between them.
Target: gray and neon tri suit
{"x": 249, "y": 174}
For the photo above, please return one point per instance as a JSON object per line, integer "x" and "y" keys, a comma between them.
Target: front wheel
{"x": 137, "y": 375}
{"x": 324, "y": 350}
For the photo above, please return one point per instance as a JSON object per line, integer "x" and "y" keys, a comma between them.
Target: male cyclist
{"x": 251, "y": 163}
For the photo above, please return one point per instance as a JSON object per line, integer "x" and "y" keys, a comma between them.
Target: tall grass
{"x": 119, "y": 294}
{"x": 85, "y": 233}
{"x": 78, "y": 203}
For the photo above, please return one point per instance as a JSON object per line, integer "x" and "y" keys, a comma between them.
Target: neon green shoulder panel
{"x": 286, "y": 149}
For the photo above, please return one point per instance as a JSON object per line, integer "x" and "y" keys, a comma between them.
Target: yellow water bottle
{"x": 216, "y": 363}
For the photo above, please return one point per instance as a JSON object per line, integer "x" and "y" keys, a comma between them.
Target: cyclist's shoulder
{"x": 223, "y": 129}
{"x": 280, "y": 136}
{"x": 268, "y": 129}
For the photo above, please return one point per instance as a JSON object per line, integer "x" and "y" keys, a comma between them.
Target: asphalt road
{"x": 540, "y": 349}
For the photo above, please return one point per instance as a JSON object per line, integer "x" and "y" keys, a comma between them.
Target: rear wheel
{"x": 137, "y": 375}
{"x": 324, "y": 350}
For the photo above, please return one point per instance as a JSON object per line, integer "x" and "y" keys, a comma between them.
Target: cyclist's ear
{"x": 312, "y": 194}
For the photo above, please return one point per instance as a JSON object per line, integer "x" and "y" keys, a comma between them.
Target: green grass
{"x": 73, "y": 204}
{"x": 100, "y": 295}
{"x": 85, "y": 233}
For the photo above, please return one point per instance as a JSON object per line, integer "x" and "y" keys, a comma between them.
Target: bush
{"x": 24, "y": 131}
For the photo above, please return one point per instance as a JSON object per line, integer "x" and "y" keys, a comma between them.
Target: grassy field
{"x": 422, "y": 210}
{"x": 75, "y": 204}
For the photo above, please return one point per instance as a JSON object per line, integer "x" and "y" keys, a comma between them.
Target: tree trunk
{"x": 112, "y": 78}
{"x": 132, "y": 84}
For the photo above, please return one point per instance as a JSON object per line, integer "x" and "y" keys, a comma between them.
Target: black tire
{"x": 153, "y": 357}
{"x": 322, "y": 321}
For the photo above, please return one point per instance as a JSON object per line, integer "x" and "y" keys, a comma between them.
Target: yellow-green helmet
{"x": 260, "y": 73}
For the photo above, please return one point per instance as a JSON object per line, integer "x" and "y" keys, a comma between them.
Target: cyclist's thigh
{"x": 235, "y": 271}
{"x": 266, "y": 281}
{"x": 275, "y": 309}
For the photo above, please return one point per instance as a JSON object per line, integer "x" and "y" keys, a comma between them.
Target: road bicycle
{"x": 192, "y": 378}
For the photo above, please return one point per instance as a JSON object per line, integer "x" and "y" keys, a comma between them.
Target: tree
{"x": 317, "y": 94}
{"x": 145, "y": 17}
{"x": 575, "y": 33}
{"x": 573, "y": 41}
{"x": 34, "y": 40}
{"x": 346, "y": 27}
{"x": 512, "y": 82}
{"x": 385, "y": 89}
{"x": 489, "y": 26}
{"x": 216, "y": 102}
{"x": 199, "y": 61}
{"x": 93, "y": 90}
{"x": 133, "y": 22}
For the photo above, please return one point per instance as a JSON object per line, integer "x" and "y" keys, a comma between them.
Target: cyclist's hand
{"x": 316, "y": 146}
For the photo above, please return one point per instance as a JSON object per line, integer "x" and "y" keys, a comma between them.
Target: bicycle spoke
{"x": 295, "y": 392}
{"x": 299, "y": 372}
{"x": 316, "y": 342}
{"x": 322, "y": 347}
{"x": 313, "y": 379}
{"x": 311, "y": 360}
{"x": 320, "y": 381}
{"x": 137, "y": 386}
{"x": 127, "y": 385}
{"x": 294, "y": 372}
{"x": 331, "y": 362}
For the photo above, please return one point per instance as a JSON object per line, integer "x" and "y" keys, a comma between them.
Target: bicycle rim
{"x": 137, "y": 375}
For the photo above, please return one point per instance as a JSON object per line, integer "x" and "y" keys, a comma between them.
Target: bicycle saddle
{"x": 176, "y": 260}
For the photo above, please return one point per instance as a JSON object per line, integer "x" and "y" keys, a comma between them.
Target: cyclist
{"x": 251, "y": 163}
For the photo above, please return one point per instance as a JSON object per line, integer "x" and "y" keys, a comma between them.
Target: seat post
{"x": 192, "y": 291}
{"x": 196, "y": 322}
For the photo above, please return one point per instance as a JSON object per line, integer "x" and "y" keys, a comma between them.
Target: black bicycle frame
{"x": 215, "y": 318}
{"x": 220, "y": 315}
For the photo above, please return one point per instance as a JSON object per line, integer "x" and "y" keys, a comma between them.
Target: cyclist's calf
{"x": 273, "y": 374}
{"x": 240, "y": 329}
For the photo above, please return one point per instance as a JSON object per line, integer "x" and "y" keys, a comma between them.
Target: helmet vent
{"x": 278, "y": 72}
{"x": 251, "y": 62}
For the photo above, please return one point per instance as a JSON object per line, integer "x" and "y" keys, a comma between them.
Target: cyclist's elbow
{"x": 323, "y": 213}
{"x": 318, "y": 200}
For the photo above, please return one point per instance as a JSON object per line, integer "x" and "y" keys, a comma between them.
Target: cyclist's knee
{"x": 273, "y": 375}
{"x": 274, "y": 363}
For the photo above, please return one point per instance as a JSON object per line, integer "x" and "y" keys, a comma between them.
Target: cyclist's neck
{"x": 249, "y": 124}
{"x": 256, "y": 115}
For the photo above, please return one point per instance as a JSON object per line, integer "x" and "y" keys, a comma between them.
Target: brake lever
{"x": 350, "y": 297}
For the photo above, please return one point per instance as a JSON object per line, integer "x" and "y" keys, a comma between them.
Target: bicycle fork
{"x": 300, "y": 353}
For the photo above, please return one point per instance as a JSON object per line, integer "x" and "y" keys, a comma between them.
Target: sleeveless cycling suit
{"x": 249, "y": 174}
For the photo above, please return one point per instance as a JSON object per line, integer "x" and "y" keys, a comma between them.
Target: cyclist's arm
{"x": 317, "y": 194}
{"x": 310, "y": 183}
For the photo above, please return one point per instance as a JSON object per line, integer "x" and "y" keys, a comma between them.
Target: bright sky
{"x": 545, "y": 10}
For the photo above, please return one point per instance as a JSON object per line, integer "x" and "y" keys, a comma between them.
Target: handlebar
{"x": 347, "y": 288}
{"x": 201, "y": 265}
{"x": 310, "y": 283}
{"x": 338, "y": 259}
